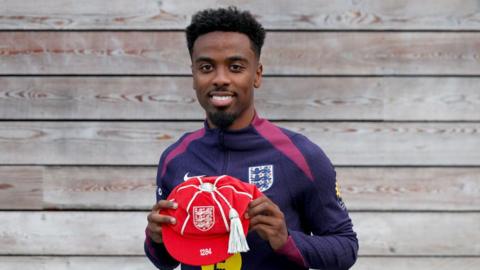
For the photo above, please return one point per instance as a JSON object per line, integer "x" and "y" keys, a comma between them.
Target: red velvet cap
{"x": 202, "y": 232}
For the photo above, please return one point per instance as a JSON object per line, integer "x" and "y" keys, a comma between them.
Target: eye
{"x": 236, "y": 68}
{"x": 206, "y": 68}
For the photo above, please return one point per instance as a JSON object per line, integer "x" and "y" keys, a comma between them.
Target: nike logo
{"x": 186, "y": 177}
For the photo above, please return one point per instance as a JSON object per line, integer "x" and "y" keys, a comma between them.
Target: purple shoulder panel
{"x": 282, "y": 143}
{"x": 181, "y": 147}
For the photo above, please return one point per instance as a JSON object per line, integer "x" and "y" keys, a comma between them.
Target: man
{"x": 301, "y": 221}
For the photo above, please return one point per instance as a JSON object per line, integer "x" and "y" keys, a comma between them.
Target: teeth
{"x": 221, "y": 97}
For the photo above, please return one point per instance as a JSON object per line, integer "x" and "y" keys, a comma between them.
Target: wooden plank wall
{"x": 92, "y": 91}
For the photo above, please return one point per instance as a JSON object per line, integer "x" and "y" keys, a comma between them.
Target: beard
{"x": 222, "y": 119}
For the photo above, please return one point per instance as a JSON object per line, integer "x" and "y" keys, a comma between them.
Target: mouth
{"x": 221, "y": 99}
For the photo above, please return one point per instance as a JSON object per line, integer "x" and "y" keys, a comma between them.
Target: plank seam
{"x": 146, "y": 75}
{"x": 272, "y": 30}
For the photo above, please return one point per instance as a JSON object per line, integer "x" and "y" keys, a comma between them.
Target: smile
{"x": 221, "y": 97}
{"x": 221, "y": 101}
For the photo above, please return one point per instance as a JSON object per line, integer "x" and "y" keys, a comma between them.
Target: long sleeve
{"x": 157, "y": 253}
{"x": 328, "y": 240}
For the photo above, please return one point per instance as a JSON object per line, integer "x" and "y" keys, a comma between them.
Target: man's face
{"x": 225, "y": 71}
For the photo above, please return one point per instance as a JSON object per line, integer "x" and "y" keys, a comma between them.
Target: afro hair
{"x": 227, "y": 20}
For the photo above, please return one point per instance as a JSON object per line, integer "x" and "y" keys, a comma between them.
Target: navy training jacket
{"x": 288, "y": 168}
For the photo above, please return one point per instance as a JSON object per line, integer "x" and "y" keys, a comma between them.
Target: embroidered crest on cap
{"x": 261, "y": 176}
{"x": 203, "y": 217}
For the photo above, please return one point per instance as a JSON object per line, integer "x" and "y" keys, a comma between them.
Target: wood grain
{"x": 273, "y": 14}
{"x": 92, "y": 53}
{"x": 450, "y": 99}
{"x": 309, "y": 98}
{"x": 285, "y": 53}
{"x": 75, "y": 263}
{"x": 98, "y": 98}
{"x": 99, "y": 187}
{"x": 410, "y": 189}
{"x": 405, "y": 263}
{"x": 364, "y": 62}
{"x": 142, "y": 263}
{"x": 140, "y": 143}
{"x": 122, "y": 233}
{"x": 21, "y": 187}
{"x": 418, "y": 234}
{"x": 72, "y": 233}
{"x": 133, "y": 188}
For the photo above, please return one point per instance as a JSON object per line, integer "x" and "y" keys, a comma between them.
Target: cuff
{"x": 292, "y": 252}
{"x": 158, "y": 254}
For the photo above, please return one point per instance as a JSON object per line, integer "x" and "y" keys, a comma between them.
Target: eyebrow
{"x": 203, "y": 59}
{"x": 237, "y": 58}
{"x": 231, "y": 58}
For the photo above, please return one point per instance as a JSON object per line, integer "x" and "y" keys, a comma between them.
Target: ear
{"x": 258, "y": 76}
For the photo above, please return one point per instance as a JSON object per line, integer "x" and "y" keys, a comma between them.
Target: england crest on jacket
{"x": 261, "y": 176}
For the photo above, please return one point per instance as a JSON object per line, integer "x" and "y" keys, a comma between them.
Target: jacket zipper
{"x": 226, "y": 153}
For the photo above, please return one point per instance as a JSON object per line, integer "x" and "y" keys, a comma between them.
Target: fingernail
{"x": 175, "y": 205}
{"x": 173, "y": 220}
{"x": 246, "y": 216}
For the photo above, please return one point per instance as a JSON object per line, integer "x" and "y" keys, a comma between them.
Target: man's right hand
{"x": 155, "y": 220}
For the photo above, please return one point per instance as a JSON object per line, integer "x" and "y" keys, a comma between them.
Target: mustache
{"x": 220, "y": 89}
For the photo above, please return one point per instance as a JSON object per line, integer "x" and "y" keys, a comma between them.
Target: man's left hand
{"x": 268, "y": 221}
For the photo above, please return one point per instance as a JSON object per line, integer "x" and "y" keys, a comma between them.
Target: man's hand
{"x": 268, "y": 221}
{"x": 155, "y": 220}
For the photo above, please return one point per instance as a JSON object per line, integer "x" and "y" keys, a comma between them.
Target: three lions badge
{"x": 261, "y": 176}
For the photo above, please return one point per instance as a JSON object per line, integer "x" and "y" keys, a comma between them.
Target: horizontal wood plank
{"x": 397, "y": 73}
{"x": 122, "y": 233}
{"x": 21, "y": 187}
{"x": 98, "y": 98}
{"x": 75, "y": 263}
{"x": 279, "y": 98}
{"x": 418, "y": 234}
{"x": 142, "y": 263}
{"x": 408, "y": 263}
{"x": 410, "y": 189}
{"x": 273, "y": 14}
{"x": 140, "y": 143}
{"x": 93, "y": 53}
{"x": 72, "y": 233}
{"x": 285, "y": 53}
{"x": 133, "y": 188}
{"x": 100, "y": 187}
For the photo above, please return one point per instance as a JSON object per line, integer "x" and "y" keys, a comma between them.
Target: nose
{"x": 221, "y": 78}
